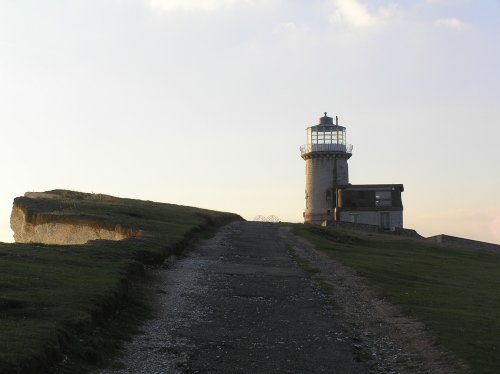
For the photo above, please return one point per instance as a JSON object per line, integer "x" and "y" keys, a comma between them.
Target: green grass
{"x": 454, "y": 291}
{"x": 53, "y": 299}
{"x": 302, "y": 262}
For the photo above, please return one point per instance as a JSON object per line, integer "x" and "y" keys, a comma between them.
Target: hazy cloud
{"x": 495, "y": 228}
{"x": 289, "y": 28}
{"x": 356, "y": 14}
{"x": 446, "y": 2}
{"x": 353, "y": 13}
{"x": 451, "y": 23}
{"x": 193, "y": 5}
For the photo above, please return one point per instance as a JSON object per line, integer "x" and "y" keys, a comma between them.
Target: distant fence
{"x": 270, "y": 218}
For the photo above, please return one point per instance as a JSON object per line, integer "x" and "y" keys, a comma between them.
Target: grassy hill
{"x": 55, "y": 299}
{"x": 454, "y": 291}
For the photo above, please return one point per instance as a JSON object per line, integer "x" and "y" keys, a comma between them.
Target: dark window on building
{"x": 383, "y": 198}
{"x": 358, "y": 199}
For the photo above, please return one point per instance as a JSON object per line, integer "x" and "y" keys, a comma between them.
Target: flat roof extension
{"x": 373, "y": 186}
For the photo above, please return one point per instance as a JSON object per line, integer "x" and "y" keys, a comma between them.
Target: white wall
{"x": 373, "y": 218}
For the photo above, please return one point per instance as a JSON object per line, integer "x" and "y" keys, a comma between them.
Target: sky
{"x": 205, "y": 102}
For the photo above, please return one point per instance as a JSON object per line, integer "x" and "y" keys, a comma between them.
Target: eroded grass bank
{"x": 454, "y": 291}
{"x": 53, "y": 299}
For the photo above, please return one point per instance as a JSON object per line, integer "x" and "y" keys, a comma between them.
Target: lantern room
{"x": 326, "y": 137}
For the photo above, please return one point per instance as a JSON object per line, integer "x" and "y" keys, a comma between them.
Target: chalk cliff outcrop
{"x": 34, "y": 219}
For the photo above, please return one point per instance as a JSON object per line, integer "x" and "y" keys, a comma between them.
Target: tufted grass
{"x": 454, "y": 291}
{"x": 55, "y": 300}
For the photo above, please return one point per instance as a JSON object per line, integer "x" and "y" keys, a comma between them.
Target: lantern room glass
{"x": 326, "y": 135}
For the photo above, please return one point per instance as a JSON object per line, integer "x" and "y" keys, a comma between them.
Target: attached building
{"x": 372, "y": 204}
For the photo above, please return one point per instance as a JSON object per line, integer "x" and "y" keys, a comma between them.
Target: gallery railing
{"x": 308, "y": 148}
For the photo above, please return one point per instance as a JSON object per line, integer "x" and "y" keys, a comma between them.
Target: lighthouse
{"x": 326, "y": 153}
{"x": 329, "y": 195}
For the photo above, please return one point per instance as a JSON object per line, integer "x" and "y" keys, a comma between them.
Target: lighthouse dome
{"x": 325, "y": 120}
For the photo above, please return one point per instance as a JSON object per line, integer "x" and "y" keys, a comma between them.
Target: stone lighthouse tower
{"x": 326, "y": 154}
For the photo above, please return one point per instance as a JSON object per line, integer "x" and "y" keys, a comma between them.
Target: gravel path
{"x": 238, "y": 303}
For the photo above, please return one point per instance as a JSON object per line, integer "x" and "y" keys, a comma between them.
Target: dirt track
{"x": 240, "y": 303}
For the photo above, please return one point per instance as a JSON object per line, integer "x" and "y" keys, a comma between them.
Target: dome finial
{"x": 325, "y": 114}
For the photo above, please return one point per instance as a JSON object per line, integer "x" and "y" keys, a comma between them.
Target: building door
{"x": 385, "y": 220}
{"x": 353, "y": 217}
